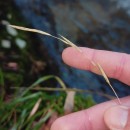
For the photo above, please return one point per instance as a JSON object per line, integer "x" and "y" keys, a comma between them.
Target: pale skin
{"x": 104, "y": 116}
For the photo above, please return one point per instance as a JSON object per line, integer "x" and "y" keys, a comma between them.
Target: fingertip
{"x": 66, "y": 52}
{"x": 116, "y": 117}
{"x": 70, "y": 56}
{"x": 74, "y": 58}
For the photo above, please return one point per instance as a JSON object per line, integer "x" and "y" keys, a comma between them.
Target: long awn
{"x": 68, "y": 42}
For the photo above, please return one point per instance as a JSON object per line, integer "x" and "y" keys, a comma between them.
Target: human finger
{"x": 117, "y": 117}
{"x": 89, "y": 119}
{"x": 116, "y": 65}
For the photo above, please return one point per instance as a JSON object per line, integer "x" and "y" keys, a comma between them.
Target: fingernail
{"x": 117, "y": 117}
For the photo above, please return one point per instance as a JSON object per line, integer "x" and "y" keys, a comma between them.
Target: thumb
{"x": 117, "y": 118}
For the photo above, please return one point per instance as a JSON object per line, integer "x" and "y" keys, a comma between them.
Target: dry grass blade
{"x": 63, "y": 39}
{"x": 69, "y": 102}
{"x": 70, "y": 43}
{"x": 35, "y": 108}
{"x": 61, "y": 82}
{"x": 107, "y": 80}
{"x": 75, "y": 90}
{"x": 69, "y": 89}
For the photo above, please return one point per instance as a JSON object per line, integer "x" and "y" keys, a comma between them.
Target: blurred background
{"x": 25, "y": 57}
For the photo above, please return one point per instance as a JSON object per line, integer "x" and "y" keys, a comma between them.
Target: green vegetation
{"x": 15, "y": 111}
{"x": 25, "y": 107}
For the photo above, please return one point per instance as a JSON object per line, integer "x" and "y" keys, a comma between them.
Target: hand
{"x": 108, "y": 115}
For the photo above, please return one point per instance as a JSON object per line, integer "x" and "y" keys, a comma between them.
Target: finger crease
{"x": 120, "y": 67}
{"x": 92, "y": 59}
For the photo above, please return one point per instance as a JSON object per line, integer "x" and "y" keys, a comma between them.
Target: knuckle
{"x": 93, "y": 59}
{"x": 119, "y": 69}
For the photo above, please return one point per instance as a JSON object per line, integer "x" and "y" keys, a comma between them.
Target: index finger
{"x": 116, "y": 65}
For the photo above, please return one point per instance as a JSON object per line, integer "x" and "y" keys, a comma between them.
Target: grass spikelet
{"x": 107, "y": 80}
{"x": 30, "y": 30}
{"x": 63, "y": 39}
{"x": 68, "y": 42}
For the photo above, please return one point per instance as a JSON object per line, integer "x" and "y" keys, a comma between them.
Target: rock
{"x": 20, "y": 43}
{"x": 125, "y": 4}
{"x": 11, "y": 31}
{"x": 6, "y": 44}
{"x": 4, "y": 22}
